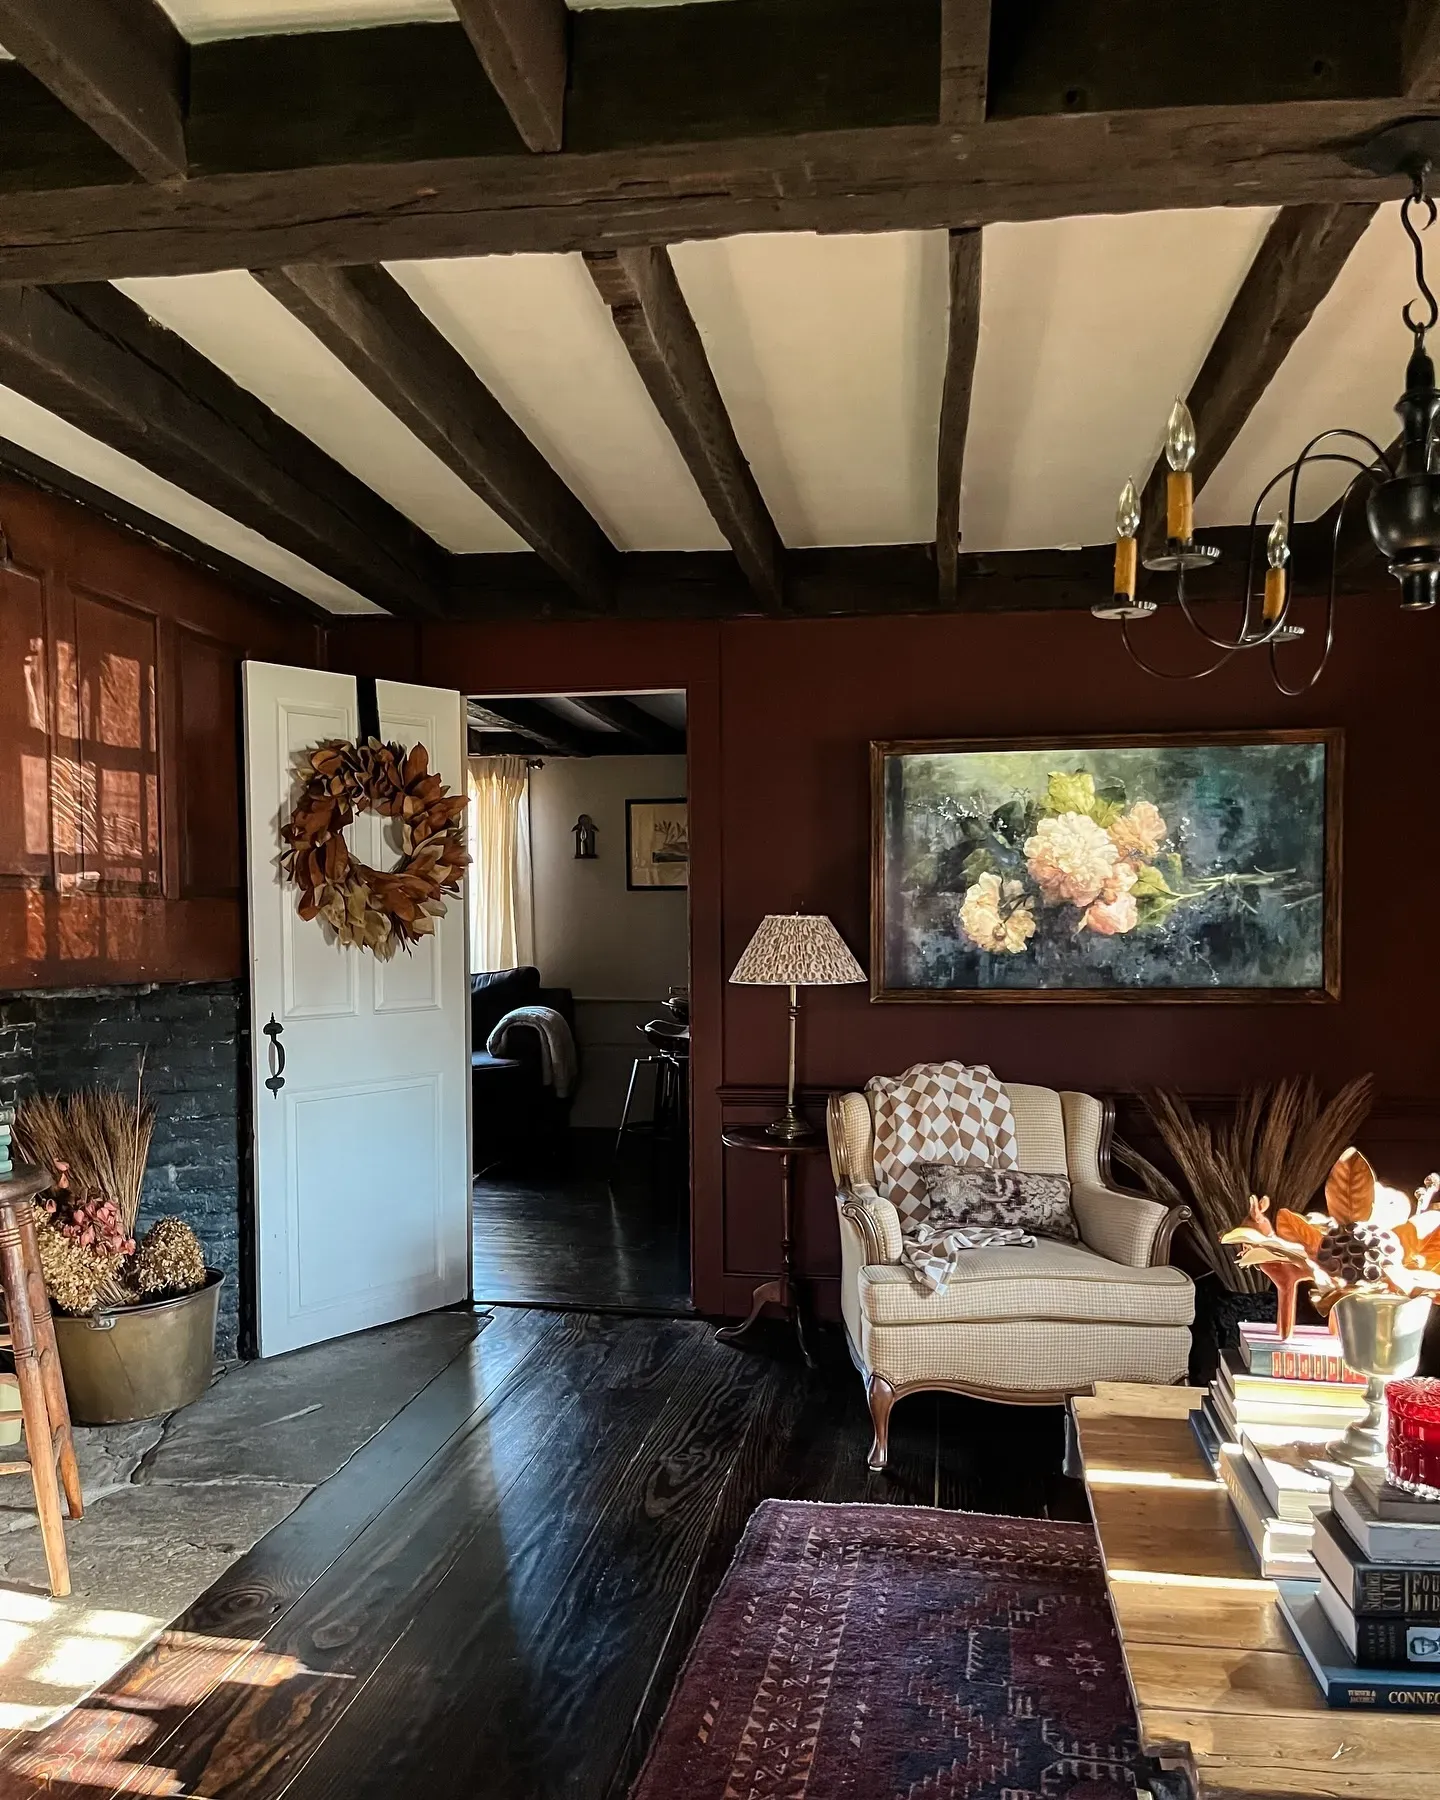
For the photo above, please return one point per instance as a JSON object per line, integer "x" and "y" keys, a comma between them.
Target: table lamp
{"x": 795, "y": 950}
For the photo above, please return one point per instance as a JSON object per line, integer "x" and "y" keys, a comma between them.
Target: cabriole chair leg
{"x": 882, "y": 1397}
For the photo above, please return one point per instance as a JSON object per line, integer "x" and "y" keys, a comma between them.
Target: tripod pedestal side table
{"x": 783, "y": 1290}
{"x": 29, "y": 1334}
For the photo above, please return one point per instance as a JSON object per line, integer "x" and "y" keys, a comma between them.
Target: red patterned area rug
{"x": 900, "y": 1653}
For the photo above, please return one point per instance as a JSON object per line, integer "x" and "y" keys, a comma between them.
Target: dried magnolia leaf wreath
{"x": 375, "y": 909}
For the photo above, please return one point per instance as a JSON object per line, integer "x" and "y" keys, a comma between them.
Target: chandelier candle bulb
{"x": 1127, "y": 557}
{"x": 1277, "y": 551}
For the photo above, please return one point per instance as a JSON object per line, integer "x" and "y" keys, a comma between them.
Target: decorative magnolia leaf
{"x": 1350, "y": 1191}
{"x": 1298, "y": 1229}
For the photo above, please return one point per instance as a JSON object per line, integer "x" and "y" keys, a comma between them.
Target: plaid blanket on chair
{"x": 945, "y": 1112}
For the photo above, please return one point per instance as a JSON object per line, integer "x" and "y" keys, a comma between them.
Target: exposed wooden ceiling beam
{"x": 1420, "y": 50}
{"x": 522, "y": 44}
{"x": 118, "y": 65}
{"x": 534, "y": 720}
{"x": 964, "y": 340}
{"x": 885, "y": 179}
{"x": 650, "y": 313}
{"x": 634, "y": 725}
{"x": 95, "y": 358}
{"x": 365, "y": 318}
{"x": 1294, "y": 269}
{"x": 23, "y": 466}
{"x": 866, "y": 581}
{"x": 964, "y": 60}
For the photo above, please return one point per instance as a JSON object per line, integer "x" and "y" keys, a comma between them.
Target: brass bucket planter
{"x": 136, "y": 1362}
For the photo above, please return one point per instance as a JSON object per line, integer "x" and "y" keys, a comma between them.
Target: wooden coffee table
{"x": 1225, "y": 1701}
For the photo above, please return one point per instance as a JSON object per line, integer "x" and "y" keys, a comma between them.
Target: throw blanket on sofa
{"x": 940, "y": 1113}
{"x": 558, "y": 1065}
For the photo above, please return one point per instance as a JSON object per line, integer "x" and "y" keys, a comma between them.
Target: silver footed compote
{"x": 1380, "y": 1338}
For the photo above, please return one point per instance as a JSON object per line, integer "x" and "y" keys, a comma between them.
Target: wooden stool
{"x": 30, "y": 1334}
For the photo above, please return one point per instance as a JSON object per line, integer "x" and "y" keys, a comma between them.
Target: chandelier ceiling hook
{"x": 1418, "y": 168}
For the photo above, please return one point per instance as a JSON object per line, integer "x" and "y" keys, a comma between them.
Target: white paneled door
{"x": 362, "y": 1139}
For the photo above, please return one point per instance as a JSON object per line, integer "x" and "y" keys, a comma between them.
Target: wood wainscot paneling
{"x": 120, "y": 856}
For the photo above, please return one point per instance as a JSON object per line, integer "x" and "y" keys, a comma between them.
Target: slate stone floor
{"x": 171, "y": 1503}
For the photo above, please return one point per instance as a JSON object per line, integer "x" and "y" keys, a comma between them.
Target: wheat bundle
{"x": 1281, "y": 1140}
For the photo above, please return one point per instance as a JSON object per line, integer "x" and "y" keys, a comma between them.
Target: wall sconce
{"x": 585, "y": 831}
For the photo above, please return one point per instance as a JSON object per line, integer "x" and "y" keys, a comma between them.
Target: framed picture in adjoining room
{"x": 657, "y": 844}
{"x": 1196, "y": 867}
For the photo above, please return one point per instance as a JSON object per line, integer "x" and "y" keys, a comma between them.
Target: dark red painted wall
{"x": 781, "y": 717}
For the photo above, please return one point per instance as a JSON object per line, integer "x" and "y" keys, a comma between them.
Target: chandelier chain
{"x": 1419, "y": 199}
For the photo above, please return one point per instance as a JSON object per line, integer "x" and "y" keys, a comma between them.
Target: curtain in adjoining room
{"x": 501, "y": 914}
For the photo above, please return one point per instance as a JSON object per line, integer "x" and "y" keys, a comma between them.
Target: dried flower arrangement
{"x": 97, "y": 1144}
{"x": 1370, "y": 1239}
{"x": 1280, "y": 1141}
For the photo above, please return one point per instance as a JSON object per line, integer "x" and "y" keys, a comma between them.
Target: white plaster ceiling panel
{"x": 230, "y": 319}
{"x": 829, "y": 353}
{"x": 1089, "y": 328}
{"x": 46, "y": 434}
{"x": 1347, "y": 368}
{"x": 201, "y": 20}
{"x": 537, "y": 333}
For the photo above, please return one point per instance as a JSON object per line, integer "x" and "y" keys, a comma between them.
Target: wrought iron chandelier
{"x": 1402, "y": 504}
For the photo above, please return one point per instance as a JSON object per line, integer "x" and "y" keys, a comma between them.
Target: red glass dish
{"x": 1414, "y": 1450}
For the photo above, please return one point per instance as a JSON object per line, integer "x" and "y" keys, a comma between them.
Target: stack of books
{"x": 1250, "y": 1398}
{"x": 1370, "y": 1627}
{"x": 1264, "y": 1426}
{"x": 1277, "y": 1493}
{"x": 7, "y": 1120}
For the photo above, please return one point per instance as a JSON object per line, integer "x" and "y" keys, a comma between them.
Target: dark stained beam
{"x": 655, "y": 324}
{"x": 533, "y": 720}
{"x": 23, "y": 466}
{"x": 366, "y": 319}
{"x": 639, "y": 729}
{"x": 964, "y": 60}
{"x": 964, "y": 340}
{"x": 872, "y": 581}
{"x": 883, "y": 179}
{"x": 498, "y": 743}
{"x": 1294, "y": 269}
{"x": 95, "y": 358}
{"x": 522, "y": 45}
{"x": 118, "y": 65}
{"x": 1420, "y": 50}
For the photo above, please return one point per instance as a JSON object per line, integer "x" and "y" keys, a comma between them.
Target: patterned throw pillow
{"x": 1004, "y": 1197}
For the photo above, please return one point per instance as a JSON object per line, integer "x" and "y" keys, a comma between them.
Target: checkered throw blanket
{"x": 945, "y": 1112}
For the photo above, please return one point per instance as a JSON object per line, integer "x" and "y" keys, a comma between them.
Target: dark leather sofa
{"x": 514, "y": 1116}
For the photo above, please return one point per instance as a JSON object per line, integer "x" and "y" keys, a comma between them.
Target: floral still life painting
{"x": 1172, "y": 868}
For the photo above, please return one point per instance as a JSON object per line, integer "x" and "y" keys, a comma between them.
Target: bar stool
{"x": 670, "y": 1057}
{"x": 30, "y": 1335}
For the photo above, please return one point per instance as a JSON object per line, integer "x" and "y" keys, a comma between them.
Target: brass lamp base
{"x": 789, "y": 1128}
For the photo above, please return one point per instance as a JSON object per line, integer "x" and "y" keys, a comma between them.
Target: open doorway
{"x": 580, "y": 1018}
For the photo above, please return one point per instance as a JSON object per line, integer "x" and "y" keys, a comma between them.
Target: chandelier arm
{"x": 1343, "y": 431}
{"x": 1304, "y": 687}
{"x": 1170, "y": 674}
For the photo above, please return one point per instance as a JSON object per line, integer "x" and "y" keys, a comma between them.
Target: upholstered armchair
{"x": 1032, "y": 1325}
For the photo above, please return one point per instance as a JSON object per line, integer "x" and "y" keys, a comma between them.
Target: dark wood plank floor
{"x": 496, "y": 1594}
{"x": 596, "y": 1231}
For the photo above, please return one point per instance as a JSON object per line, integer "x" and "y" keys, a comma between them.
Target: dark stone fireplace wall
{"x": 194, "y": 1039}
